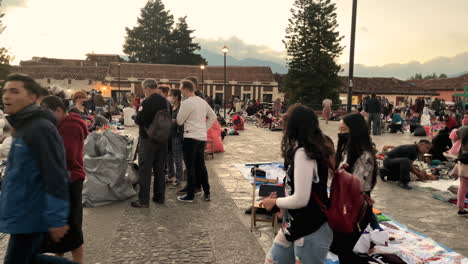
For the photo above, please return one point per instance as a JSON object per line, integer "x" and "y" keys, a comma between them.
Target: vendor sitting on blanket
{"x": 399, "y": 163}
{"x": 397, "y": 122}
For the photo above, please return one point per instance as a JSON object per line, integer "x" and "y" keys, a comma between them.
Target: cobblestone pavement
{"x": 417, "y": 210}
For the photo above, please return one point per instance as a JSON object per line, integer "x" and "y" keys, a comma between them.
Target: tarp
{"x": 107, "y": 170}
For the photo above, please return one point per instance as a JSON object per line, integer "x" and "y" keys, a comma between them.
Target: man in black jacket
{"x": 373, "y": 107}
{"x": 149, "y": 153}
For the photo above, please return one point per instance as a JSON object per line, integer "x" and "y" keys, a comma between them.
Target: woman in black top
{"x": 79, "y": 98}
{"x": 305, "y": 235}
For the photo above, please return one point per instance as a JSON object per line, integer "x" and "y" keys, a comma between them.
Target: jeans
{"x": 176, "y": 159}
{"x": 217, "y": 108}
{"x": 197, "y": 174}
{"x": 311, "y": 249}
{"x": 151, "y": 155}
{"x": 24, "y": 249}
{"x": 374, "y": 119}
{"x": 399, "y": 169}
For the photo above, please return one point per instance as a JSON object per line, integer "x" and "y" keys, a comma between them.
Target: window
{"x": 69, "y": 81}
{"x": 48, "y": 80}
{"x": 246, "y": 97}
{"x": 267, "y": 98}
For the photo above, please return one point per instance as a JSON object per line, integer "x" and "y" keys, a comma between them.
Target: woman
{"x": 305, "y": 234}
{"x": 356, "y": 154}
{"x": 397, "y": 122}
{"x": 79, "y": 99}
{"x": 327, "y": 103}
{"x": 426, "y": 116}
{"x": 177, "y": 137}
{"x": 461, "y": 171}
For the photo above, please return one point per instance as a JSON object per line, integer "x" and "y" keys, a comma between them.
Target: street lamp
{"x": 120, "y": 95}
{"x": 351, "y": 57}
{"x": 225, "y": 51}
{"x": 202, "y": 68}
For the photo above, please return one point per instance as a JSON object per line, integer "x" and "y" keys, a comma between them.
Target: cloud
{"x": 364, "y": 29}
{"x": 14, "y": 3}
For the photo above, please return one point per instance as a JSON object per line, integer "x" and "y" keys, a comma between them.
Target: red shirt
{"x": 74, "y": 131}
{"x": 451, "y": 123}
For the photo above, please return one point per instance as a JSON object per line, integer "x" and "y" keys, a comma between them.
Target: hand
{"x": 431, "y": 177}
{"x": 280, "y": 214}
{"x": 270, "y": 202}
{"x": 344, "y": 166}
{"x": 58, "y": 232}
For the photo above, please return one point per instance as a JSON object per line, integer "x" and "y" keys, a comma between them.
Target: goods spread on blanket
{"x": 273, "y": 170}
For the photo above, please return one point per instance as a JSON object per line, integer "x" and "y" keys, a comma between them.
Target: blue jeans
{"x": 25, "y": 248}
{"x": 311, "y": 249}
{"x": 176, "y": 159}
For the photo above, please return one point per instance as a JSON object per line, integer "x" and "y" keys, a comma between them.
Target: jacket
{"x": 373, "y": 105}
{"x": 34, "y": 193}
{"x": 149, "y": 108}
{"x": 74, "y": 132}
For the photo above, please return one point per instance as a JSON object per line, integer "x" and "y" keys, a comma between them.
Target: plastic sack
{"x": 107, "y": 169}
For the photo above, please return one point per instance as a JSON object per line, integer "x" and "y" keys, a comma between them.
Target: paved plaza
{"x": 219, "y": 231}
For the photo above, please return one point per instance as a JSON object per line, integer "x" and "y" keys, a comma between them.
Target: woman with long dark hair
{"x": 176, "y": 155}
{"x": 305, "y": 235}
{"x": 355, "y": 151}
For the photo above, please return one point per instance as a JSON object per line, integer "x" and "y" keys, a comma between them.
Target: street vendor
{"x": 399, "y": 163}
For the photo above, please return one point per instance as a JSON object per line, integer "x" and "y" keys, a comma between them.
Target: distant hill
{"x": 458, "y": 74}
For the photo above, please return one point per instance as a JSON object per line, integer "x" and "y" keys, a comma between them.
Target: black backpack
{"x": 160, "y": 129}
{"x": 419, "y": 132}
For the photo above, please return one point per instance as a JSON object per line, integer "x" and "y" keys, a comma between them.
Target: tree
{"x": 149, "y": 41}
{"x": 5, "y": 58}
{"x": 313, "y": 46}
{"x": 183, "y": 47}
{"x": 417, "y": 76}
{"x": 442, "y": 76}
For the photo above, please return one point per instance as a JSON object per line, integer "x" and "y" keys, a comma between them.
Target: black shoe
{"x": 405, "y": 186}
{"x": 207, "y": 197}
{"x": 182, "y": 191}
{"x": 198, "y": 192}
{"x": 185, "y": 199}
{"x": 138, "y": 204}
{"x": 158, "y": 201}
{"x": 462, "y": 212}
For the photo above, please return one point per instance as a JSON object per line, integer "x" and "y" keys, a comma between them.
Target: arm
{"x": 304, "y": 169}
{"x": 142, "y": 116}
{"x": 183, "y": 114}
{"x": 211, "y": 116}
{"x": 70, "y": 139}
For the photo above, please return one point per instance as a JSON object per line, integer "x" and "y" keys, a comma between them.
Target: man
{"x": 34, "y": 197}
{"x": 218, "y": 102}
{"x": 450, "y": 122}
{"x": 74, "y": 131}
{"x": 194, "y": 80}
{"x": 197, "y": 117}
{"x": 163, "y": 90}
{"x": 373, "y": 107}
{"x": 399, "y": 163}
{"x": 150, "y": 154}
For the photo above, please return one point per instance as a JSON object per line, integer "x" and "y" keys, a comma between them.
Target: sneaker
{"x": 405, "y": 186}
{"x": 138, "y": 204}
{"x": 185, "y": 199}
{"x": 158, "y": 201}
{"x": 207, "y": 197}
{"x": 198, "y": 192}
{"x": 462, "y": 212}
{"x": 182, "y": 191}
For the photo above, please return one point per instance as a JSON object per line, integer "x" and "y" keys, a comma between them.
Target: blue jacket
{"x": 34, "y": 194}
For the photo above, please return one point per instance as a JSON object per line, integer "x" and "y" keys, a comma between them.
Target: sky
{"x": 389, "y": 32}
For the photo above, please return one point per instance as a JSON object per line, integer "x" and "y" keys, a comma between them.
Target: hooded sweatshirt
{"x": 74, "y": 132}
{"x": 35, "y": 192}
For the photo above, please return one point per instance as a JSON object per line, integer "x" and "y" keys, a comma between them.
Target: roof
{"x": 178, "y": 72}
{"x": 102, "y": 55}
{"x": 456, "y": 83}
{"x": 63, "y": 72}
{"x": 379, "y": 85}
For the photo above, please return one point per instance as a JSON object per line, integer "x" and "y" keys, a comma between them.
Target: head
{"x": 187, "y": 88}
{"x": 149, "y": 87}
{"x": 424, "y": 146}
{"x": 19, "y": 92}
{"x": 79, "y": 98}
{"x": 43, "y": 93}
{"x": 163, "y": 90}
{"x": 175, "y": 96}
{"x": 101, "y": 124}
{"x": 194, "y": 80}
{"x": 303, "y": 131}
{"x": 56, "y": 105}
{"x": 374, "y": 95}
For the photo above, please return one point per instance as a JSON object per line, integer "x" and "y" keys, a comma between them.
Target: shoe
{"x": 182, "y": 191}
{"x": 405, "y": 186}
{"x": 197, "y": 192}
{"x": 138, "y": 204}
{"x": 462, "y": 212}
{"x": 207, "y": 197}
{"x": 185, "y": 199}
{"x": 158, "y": 201}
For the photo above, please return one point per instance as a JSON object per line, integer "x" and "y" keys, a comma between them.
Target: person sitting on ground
{"x": 440, "y": 144}
{"x": 397, "y": 122}
{"x": 399, "y": 163}
{"x": 450, "y": 122}
{"x": 101, "y": 124}
{"x": 461, "y": 171}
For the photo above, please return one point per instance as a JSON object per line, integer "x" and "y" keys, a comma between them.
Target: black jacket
{"x": 373, "y": 105}
{"x": 149, "y": 108}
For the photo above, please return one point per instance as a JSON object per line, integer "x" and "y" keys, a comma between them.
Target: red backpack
{"x": 348, "y": 203}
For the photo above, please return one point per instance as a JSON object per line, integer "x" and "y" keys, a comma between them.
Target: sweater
{"x": 197, "y": 117}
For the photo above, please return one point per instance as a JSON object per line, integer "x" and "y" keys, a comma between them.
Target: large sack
{"x": 128, "y": 113}
{"x": 106, "y": 165}
{"x": 214, "y": 135}
{"x": 420, "y": 132}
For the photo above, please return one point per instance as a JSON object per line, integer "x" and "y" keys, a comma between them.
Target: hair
{"x": 424, "y": 141}
{"x": 188, "y": 85}
{"x": 176, "y": 93}
{"x": 194, "y": 80}
{"x": 53, "y": 102}
{"x": 149, "y": 83}
{"x": 374, "y": 95}
{"x": 79, "y": 95}
{"x": 359, "y": 141}
{"x": 29, "y": 83}
{"x": 303, "y": 131}
{"x": 164, "y": 88}
{"x": 43, "y": 92}
{"x": 100, "y": 121}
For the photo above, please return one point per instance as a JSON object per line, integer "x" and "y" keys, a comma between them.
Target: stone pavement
{"x": 418, "y": 210}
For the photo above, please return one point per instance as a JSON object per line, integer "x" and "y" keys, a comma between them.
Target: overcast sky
{"x": 389, "y": 31}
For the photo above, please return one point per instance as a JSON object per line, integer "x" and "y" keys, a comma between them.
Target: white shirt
{"x": 197, "y": 117}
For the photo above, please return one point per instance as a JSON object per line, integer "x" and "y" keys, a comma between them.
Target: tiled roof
{"x": 62, "y": 72}
{"x": 456, "y": 83}
{"x": 363, "y": 85}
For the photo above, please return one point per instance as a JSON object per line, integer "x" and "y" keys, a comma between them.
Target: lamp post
{"x": 202, "y": 68}
{"x": 225, "y": 51}
{"x": 351, "y": 57}
{"x": 120, "y": 95}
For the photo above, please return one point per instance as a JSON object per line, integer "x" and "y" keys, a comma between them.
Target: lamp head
{"x": 225, "y": 49}
{"x": 202, "y": 67}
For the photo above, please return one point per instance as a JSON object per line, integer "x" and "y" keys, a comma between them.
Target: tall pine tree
{"x": 313, "y": 46}
{"x": 183, "y": 47}
{"x": 149, "y": 41}
{"x": 5, "y": 58}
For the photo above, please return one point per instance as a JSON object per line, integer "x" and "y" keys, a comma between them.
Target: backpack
{"x": 420, "y": 132}
{"x": 348, "y": 203}
{"x": 160, "y": 129}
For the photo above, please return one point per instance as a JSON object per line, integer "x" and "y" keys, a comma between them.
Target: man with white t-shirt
{"x": 197, "y": 117}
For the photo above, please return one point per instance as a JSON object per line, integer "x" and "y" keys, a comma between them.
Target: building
{"x": 445, "y": 87}
{"x": 115, "y": 78}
